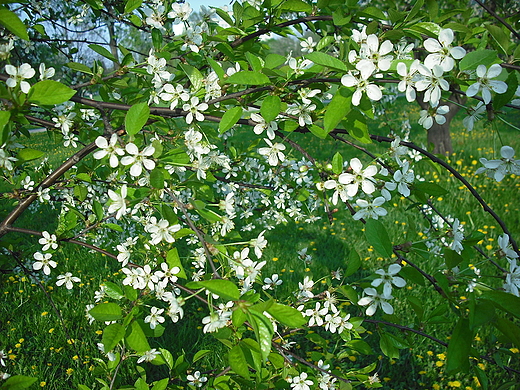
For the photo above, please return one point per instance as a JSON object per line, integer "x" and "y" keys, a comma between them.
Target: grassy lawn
{"x": 55, "y": 342}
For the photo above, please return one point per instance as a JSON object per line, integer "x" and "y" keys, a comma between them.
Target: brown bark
{"x": 439, "y": 135}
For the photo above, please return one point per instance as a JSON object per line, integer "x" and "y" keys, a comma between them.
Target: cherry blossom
{"x": 485, "y": 84}
{"x": 19, "y": 75}
{"x": 138, "y": 159}
{"x": 442, "y": 53}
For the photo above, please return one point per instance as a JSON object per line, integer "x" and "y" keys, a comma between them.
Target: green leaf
{"x": 196, "y": 78}
{"x": 480, "y": 313}
{"x": 373, "y": 12}
{"x": 459, "y": 348}
{"x": 509, "y": 329}
{"x": 430, "y": 188}
{"x": 157, "y": 38}
{"x": 113, "y": 290}
{"x": 326, "y": 60}
{"x": 106, "y": 312}
{"x": 502, "y": 40}
{"x": 167, "y": 356}
{"x": 482, "y": 377}
{"x": 136, "y": 339}
{"x": 49, "y": 92}
{"x": 79, "y": 67}
{"x": 263, "y": 331}
{"x": 161, "y": 385}
{"x": 4, "y": 130}
{"x": 287, "y": 315}
{"x": 223, "y": 288}
{"x": 356, "y": 123}
{"x": 136, "y": 118}
{"x": 412, "y": 275}
{"x": 173, "y": 260}
{"x": 83, "y": 387}
{"x": 417, "y": 306}
{"x": 157, "y": 178}
{"x": 337, "y": 163}
{"x": 505, "y": 301}
{"x": 18, "y": 382}
{"x": 113, "y": 226}
{"x": 271, "y": 107}
{"x": 338, "y": 108}
{"x": 80, "y": 192}
{"x": 102, "y": 52}
{"x": 360, "y": 346}
{"x": 247, "y": 77}
{"x": 200, "y": 354}
{"x": 295, "y": 6}
{"x": 112, "y": 335}
{"x": 452, "y": 258}
{"x": 318, "y": 131}
{"x": 388, "y": 348}
{"x": 416, "y": 8}
{"x": 377, "y": 236}
{"x": 479, "y": 57}
{"x": 29, "y": 154}
{"x": 229, "y": 119}
{"x": 132, "y": 5}
{"x": 353, "y": 263}
{"x": 12, "y": 22}
{"x": 237, "y": 361}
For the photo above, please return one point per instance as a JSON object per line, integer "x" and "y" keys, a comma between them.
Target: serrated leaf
{"x": 223, "y": 288}
{"x": 4, "y": 130}
{"x": 136, "y": 338}
{"x": 136, "y": 118}
{"x": 12, "y": 22}
{"x": 337, "y": 109}
{"x": 326, "y": 60}
{"x": 103, "y": 52}
{"x": 132, "y": 5}
{"x": 18, "y": 382}
{"x": 79, "y": 67}
{"x": 49, "y": 92}
{"x": 196, "y": 78}
{"x": 412, "y": 275}
{"x": 271, "y": 107}
{"x": 430, "y": 188}
{"x": 229, "y": 119}
{"x": 459, "y": 348}
{"x": 377, "y": 236}
{"x": 28, "y": 154}
{"x": 452, "y": 258}
{"x": 247, "y": 77}
{"x": 501, "y": 39}
{"x": 504, "y": 300}
{"x": 356, "y": 123}
{"x": 200, "y": 354}
{"x": 106, "y": 312}
{"x": 318, "y": 131}
{"x": 237, "y": 361}
{"x": 157, "y": 178}
{"x": 295, "y": 6}
{"x": 478, "y": 57}
{"x": 263, "y": 331}
{"x": 337, "y": 163}
{"x": 173, "y": 260}
{"x": 287, "y": 315}
{"x": 162, "y": 384}
{"x": 353, "y": 263}
{"x": 387, "y": 347}
{"x": 509, "y": 329}
{"x": 112, "y": 335}
{"x": 167, "y": 356}
{"x": 113, "y": 290}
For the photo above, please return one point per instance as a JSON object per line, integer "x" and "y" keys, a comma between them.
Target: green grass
{"x": 48, "y": 353}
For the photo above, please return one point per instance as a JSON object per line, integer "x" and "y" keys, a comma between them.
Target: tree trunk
{"x": 439, "y": 135}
